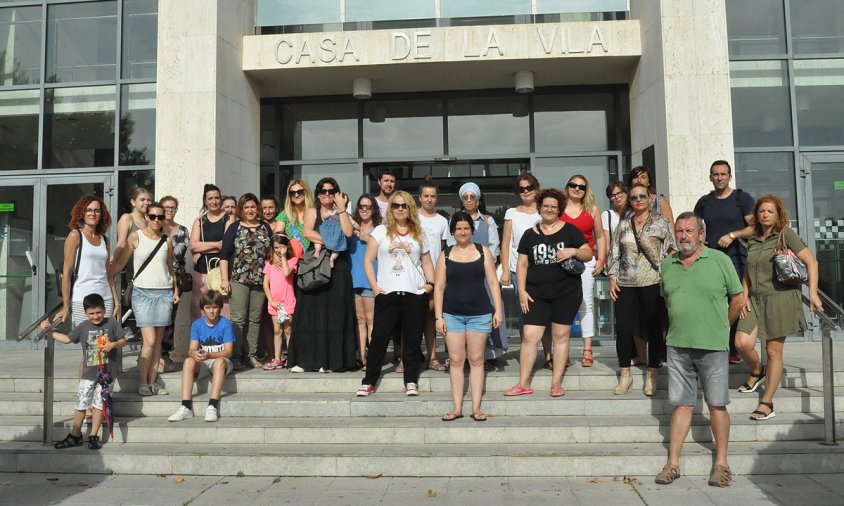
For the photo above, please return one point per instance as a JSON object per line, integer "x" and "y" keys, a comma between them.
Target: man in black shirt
{"x": 727, "y": 214}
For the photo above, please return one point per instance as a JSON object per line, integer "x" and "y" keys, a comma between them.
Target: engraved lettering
{"x": 328, "y": 54}
{"x": 283, "y": 59}
{"x": 547, "y": 45}
{"x": 421, "y": 50}
{"x": 466, "y": 53}
{"x": 348, "y": 50}
{"x": 401, "y": 46}
{"x": 492, "y": 42}
{"x": 596, "y": 39}
{"x": 569, "y": 45}
{"x": 305, "y": 50}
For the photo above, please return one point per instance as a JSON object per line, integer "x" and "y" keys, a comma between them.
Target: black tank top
{"x": 465, "y": 291}
{"x": 212, "y": 231}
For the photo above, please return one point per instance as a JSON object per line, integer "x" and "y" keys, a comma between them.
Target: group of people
{"x": 691, "y": 293}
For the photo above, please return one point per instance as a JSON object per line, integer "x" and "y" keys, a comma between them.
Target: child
{"x": 211, "y": 346}
{"x": 332, "y": 238}
{"x": 278, "y": 285}
{"x": 100, "y": 337}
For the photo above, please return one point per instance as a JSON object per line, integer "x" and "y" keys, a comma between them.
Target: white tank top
{"x": 92, "y": 276}
{"x": 157, "y": 273}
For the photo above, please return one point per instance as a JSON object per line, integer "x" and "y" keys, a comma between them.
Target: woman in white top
{"x": 134, "y": 220}
{"x": 401, "y": 289}
{"x": 154, "y": 292}
{"x": 89, "y": 224}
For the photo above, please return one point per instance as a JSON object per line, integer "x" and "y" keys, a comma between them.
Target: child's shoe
{"x": 182, "y": 413}
{"x": 94, "y": 443}
{"x": 69, "y": 442}
{"x": 211, "y": 414}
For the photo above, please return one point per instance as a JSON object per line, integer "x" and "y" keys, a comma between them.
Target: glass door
{"x": 824, "y": 217}
{"x": 18, "y": 256}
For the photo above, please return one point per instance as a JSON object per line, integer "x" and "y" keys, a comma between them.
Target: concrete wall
{"x": 680, "y": 94}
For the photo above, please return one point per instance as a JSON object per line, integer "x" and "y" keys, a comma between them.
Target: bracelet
{"x": 602, "y": 261}
{"x": 342, "y": 212}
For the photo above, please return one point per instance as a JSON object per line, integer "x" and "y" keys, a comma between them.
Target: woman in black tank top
{"x": 206, "y": 241}
{"x": 463, "y": 312}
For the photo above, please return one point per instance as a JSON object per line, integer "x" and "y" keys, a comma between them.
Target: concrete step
{"x": 427, "y": 430}
{"x": 400, "y": 459}
{"x": 310, "y": 405}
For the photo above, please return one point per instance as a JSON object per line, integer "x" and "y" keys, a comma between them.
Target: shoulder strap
{"x": 447, "y": 251}
{"x": 149, "y": 258}
{"x": 641, "y": 249}
{"x": 78, "y": 256}
{"x": 480, "y": 249}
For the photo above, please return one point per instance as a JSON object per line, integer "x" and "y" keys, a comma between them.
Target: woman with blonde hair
{"x": 134, "y": 220}
{"x": 291, "y": 220}
{"x": 402, "y": 288}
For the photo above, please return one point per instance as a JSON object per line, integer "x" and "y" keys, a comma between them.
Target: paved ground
{"x": 806, "y": 490}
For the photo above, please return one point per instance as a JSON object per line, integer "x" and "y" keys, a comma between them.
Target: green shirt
{"x": 697, "y": 300}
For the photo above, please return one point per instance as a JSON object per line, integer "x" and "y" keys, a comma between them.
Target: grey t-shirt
{"x": 87, "y": 334}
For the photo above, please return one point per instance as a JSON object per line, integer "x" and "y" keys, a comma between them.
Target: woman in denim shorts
{"x": 463, "y": 312}
{"x": 366, "y": 217}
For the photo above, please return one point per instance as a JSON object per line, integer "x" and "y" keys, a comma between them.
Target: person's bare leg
{"x": 746, "y": 347}
{"x": 145, "y": 356}
{"x": 475, "y": 345}
{"x": 527, "y": 352}
{"x": 560, "y": 335}
{"x": 720, "y": 420}
{"x": 360, "y": 315}
{"x": 189, "y": 370}
{"x": 218, "y": 377}
{"x": 96, "y": 422}
{"x": 681, "y": 422}
{"x": 547, "y": 348}
{"x": 774, "y": 368}
{"x": 152, "y": 372}
{"x": 456, "y": 342}
{"x": 78, "y": 418}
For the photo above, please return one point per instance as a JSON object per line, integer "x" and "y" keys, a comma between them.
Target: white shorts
{"x": 206, "y": 367}
{"x": 89, "y": 394}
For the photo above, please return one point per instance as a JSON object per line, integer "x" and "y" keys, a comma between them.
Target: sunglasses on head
{"x": 326, "y": 191}
{"x": 640, "y": 196}
{"x": 395, "y": 206}
{"x": 156, "y": 217}
{"x": 526, "y": 189}
{"x": 575, "y": 186}
{"x": 297, "y": 193}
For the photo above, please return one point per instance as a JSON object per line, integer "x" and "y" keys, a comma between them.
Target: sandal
{"x": 761, "y": 415}
{"x": 557, "y": 391}
{"x": 450, "y": 417}
{"x": 94, "y": 443}
{"x": 436, "y": 365}
{"x": 518, "y": 390}
{"x": 587, "y": 361}
{"x": 479, "y": 417}
{"x": 400, "y": 368}
{"x": 272, "y": 365}
{"x": 746, "y": 388}
{"x": 69, "y": 442}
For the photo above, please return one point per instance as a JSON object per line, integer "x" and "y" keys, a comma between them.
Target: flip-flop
{"x": 437, "y": 366}
{"x": 450, "y": 417}
{"x": 518, "y": 390}
{"x": 479, "y": 417}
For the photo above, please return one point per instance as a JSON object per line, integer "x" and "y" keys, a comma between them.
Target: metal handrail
{"x": 828, "y": 325}
{"x": 49, "y": 367}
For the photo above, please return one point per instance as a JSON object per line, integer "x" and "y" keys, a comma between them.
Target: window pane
{"x": 403, "y": 128}
{"x": 762, "y": 173}
{"x": 297, "y": 12}
{"x": 470, "y": 8}
{"x": 127, "y": 181}
{"x": 349, "y": 177}
{"x": 554, "y": 172}
{"x": 20, "y": 45}
{"x": 270, "y": 134}
{"x": 756, "y": 27}
{"x": 137, "y": 124}
{"x": 375, "y": 10}
{"x": 488, "y": 125}
{"x": 79, "y": 127}
{"x": 761, "y": 105}
{"x": 817, "y": 26}
{"x": 19, "y": 127}
{"x": 82, "y": 42}
{"x": 819, "y": 88}
{"x": 319, "y": 131}
{"x": 576, "y": 122}
{"x": 140, "y": 38}
{"x": 564, "y": 6}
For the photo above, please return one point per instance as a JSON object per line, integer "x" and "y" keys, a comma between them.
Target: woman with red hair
{"x": 86, "y": 259}
{"x": 772, "y": 310}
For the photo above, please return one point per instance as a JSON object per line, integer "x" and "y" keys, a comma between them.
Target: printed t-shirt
{"x": 399, "y": 262}
{"x": 546, "y": 278}
{"x": 89, "y": 335}
{"x": 212, "y": 338}
{"x": 281, "y": 286}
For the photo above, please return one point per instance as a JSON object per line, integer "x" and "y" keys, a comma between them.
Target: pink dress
{"x": 281, "y": 287}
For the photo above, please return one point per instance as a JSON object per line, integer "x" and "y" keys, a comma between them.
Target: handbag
{"x": 571, "y": 265}
{"x": 789, "y": 269}
{"x": 213, "y": 275}
{"x": 126, "y": 299}
{"x": 184, "y": 279}
{"x": 313, "y": 272}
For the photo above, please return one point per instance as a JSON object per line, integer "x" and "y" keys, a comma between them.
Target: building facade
{"x": 105, "y": 96}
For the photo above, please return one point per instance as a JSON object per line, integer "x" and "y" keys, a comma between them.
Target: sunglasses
{"x": 364, "y": 207}
{"x": 616, "y": 195}
{"x": 526, "y": 189}
{"x": 326, "y": 191}
{"x": 93, "y": 210}
{"x": 156, "y": 217}
{"x": 395, "y": 206}
{"x": 469, "y": 197}
{"x": 575, "y": 186}
{"x": 297, "y": 193}
{"x": 641, "y": 196}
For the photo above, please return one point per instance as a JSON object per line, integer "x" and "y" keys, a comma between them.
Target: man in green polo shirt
{"x": 704, "y": 295}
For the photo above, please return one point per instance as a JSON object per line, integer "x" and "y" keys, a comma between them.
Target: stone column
{"x": 680, "y": 94}
{"x": 207, "y": 111}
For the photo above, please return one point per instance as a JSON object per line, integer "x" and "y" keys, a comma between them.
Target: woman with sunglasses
{"x": 548, "y": 293}
{"x": 154, "y": 292}
{"x": 206, "y": 241}
{"x": 242, "y": 258}
{"x": 367, "y": 216}
{"x": 291, "y": 220}
{"x": 582, "y": 212}
{"x": 401, "y": 287}
{"x": 178, "y": 235}
{"x": 658, "y": 203}
{"x": 640, "y": 243}
{"x": 324, "y": 327}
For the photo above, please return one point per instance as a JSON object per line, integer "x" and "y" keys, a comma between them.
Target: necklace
{"x": 548, "y": 229}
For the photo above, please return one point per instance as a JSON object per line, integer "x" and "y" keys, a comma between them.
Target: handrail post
{"x": 49, "y": 362}
{"x": 828, "y": 387}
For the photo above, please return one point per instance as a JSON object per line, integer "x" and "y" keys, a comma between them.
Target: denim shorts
{"x": 481, "y": 324}
{"x": 686, "y": 365}
{"x": 152, "y": 306}
{"x": 364, "y": 292}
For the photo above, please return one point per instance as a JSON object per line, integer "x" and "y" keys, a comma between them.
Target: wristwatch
{"x": 732, "y": 236}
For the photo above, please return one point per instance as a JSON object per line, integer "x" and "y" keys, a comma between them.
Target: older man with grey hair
{"x": 703, "y": 295}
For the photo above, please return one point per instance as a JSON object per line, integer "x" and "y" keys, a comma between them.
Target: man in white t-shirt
{"x": 436, "y": 231}
{"x": 387, "y": 184}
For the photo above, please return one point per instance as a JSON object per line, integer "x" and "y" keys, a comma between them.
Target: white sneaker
{"x": 182, "y": 413}
{"x": 411, "y": 390}
{"x": 296, "y": 369}
{"x": 211, "y": 414}
{"x": 323, "y": 370}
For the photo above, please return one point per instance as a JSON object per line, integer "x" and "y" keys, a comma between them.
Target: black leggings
{"x": 639, "y": 312}
{"x": 403, "y": 314}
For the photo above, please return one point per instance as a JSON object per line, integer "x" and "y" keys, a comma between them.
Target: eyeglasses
{"x": 526, "y": 189}
{"x": 171, "y": 208}
{"x": 616, "y": 195}
{"x": 364, "y": 207}
{"x": 395, "y": 206}
{"x": 154, "y": 217}
{"x": 326, "y": 191}
{"x": 297, "y": 193}
{"x": 469, "y": 197}
{"x": 575, "y": 186}
{"x": 546, "y": 207}
{"x": 93, "y": 210}
{"x": 641, "y": 196}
